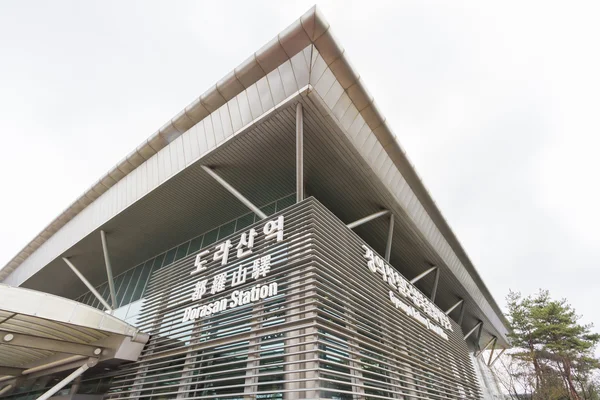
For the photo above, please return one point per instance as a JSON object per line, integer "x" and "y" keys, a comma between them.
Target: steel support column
{"x": 492, "y": 340}
{"x": 462, "y": 314}
{"x": 435, "y": 285}
{"x": 492, "y": 352}
{"x": 12, "y": 371}
{"x": 479, "y": 324}
{"x": 53, "y": 364}
{"x": 5, "y": 389}
{"x": 388, "y": 245}
{"x": 478, "y": 339}
{"x": 458, "y": 303}
{"x": 368, "y": 218}
{"x": 299, "y": 153}
{"x": 88, "y": 284}
{"x": 109, "y": 274}
{"x": 67, "y": 380}
{"x": 423, "y": 275}
{"x": 234, "y": 192}
{"x": 497, "y": 357}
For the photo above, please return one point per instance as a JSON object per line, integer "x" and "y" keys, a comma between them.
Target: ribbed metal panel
{"x": 260, "y": 163}
{"x": 329, "y": 332}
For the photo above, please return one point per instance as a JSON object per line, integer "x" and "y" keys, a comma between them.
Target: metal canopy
{"x": 192, "y": 202}
{"x": 260, "y": 162}
{"x": 42, "y": 334}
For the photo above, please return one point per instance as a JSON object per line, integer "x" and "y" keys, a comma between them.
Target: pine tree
{"x": 523, "y": 333}
{"x": 570, "y": 343}
{"x": 549, "y": 337}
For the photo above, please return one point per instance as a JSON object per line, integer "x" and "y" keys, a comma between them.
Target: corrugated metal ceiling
{"x": 261, "y": 165}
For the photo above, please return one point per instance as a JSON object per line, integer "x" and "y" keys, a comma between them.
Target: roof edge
{"x": 310, "y": 28}
{"x": 288, "y": 43}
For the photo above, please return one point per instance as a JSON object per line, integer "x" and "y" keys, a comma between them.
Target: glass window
{"x": 268, "y": 209}
{"x": 181, "y": 251}
{"x": 244, "y": 221}
{"x": 134, "y": 279}
{"x": 123, "y": 288}
{"x": 118, "y": 281}
{"x": 210, "y": 237}
{"x": 94, "y": 302}
{"x": 226, "y": 229}
{"x": 158, "y": 262}
{"x": 286, "y": 202}
{"x": 86, "y": 298}
{"x": 223, "y": 365}
{"x": 272, "y": 358}
{"x": 169, "y": 257}
{"x": 195, "y": 245}
{"x": 104, "y": 290}
{"x": 141, "y": 284}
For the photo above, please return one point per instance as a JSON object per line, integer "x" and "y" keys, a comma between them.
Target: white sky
{"x": 497, "y": 104}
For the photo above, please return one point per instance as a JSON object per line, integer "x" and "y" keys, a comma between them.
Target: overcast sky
{"x": 497, "y": 105}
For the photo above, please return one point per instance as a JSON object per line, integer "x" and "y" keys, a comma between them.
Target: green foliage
{"x": 556, "y": 350}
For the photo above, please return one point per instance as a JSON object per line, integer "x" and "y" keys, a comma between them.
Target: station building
{"x": 271, "y": 241}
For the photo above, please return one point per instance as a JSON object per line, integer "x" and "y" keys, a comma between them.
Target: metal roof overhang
{"x": 260, "y": 163}
{"x": 42, "y": 334}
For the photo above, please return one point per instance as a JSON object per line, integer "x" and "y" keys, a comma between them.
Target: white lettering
{"x": 414, "y": 313}
{"x": 274, "y": 229}
{"x": 237, "y": 298}
{"x": 377, "y": 265}
{"x": 199, "y": 263}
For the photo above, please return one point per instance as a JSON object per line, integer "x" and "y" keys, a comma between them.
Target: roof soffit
{"x": 310, "y": 29}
